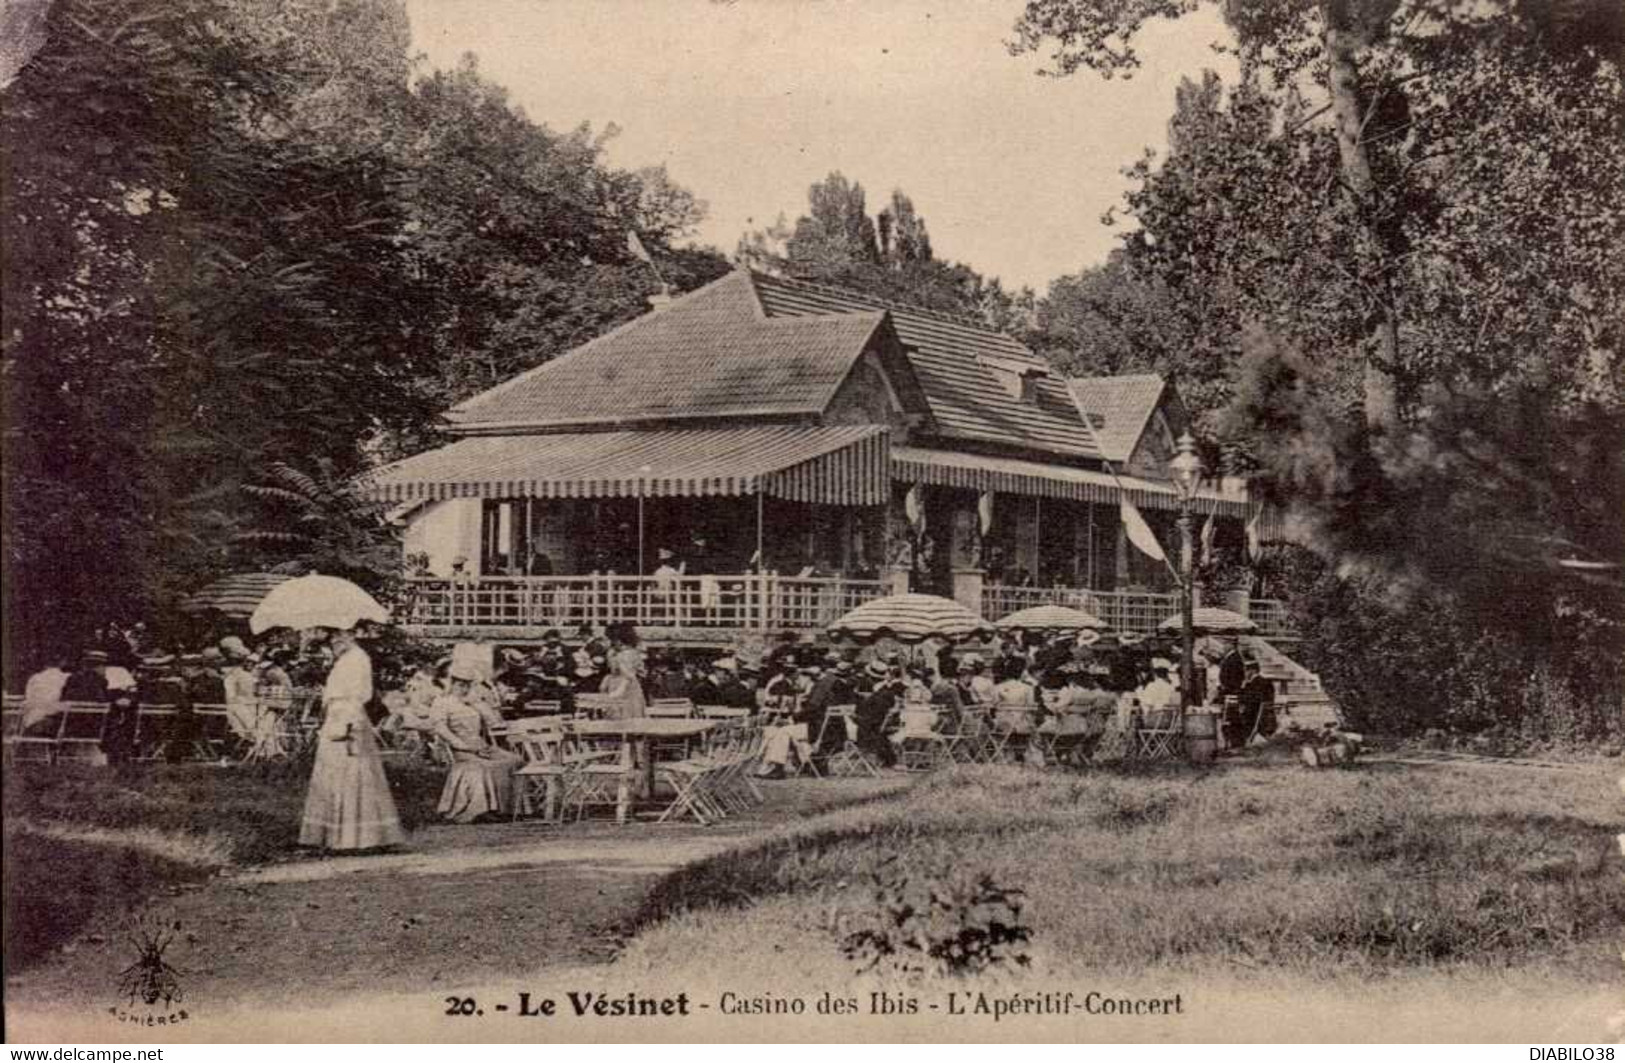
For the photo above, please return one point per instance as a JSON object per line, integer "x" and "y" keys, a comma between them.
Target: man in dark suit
{"x": 834, "y": 687}
{"x": 1232, "y": 672}
{"x": 733, "y": 692}
{"x": 874, "y": 710}
{"x": 1255, "y": 711}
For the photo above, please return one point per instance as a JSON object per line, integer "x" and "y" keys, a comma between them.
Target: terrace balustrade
{"x": 1138, "y": 612}
{"x": 752, "y": 602}
{"x": 742, "y": 602}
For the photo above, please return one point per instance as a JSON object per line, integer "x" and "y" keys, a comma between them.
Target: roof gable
{"x": 953, "y": 359}
{"x": 711, "y": 353}
{"x": 1118, "y": 408}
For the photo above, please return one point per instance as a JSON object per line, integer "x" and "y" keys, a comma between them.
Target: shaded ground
{"x": 465, "y": 903}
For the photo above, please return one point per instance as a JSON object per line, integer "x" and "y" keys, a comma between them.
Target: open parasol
{"x": 1052, "y": 618}
{"x": 316, "y": 601}
{"x": 910, "y": 618}
{"x": 1212, "y": 621}
{"x": 237, "y": 595}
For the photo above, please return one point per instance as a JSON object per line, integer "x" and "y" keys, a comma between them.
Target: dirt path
{"x": 467, "y": 904}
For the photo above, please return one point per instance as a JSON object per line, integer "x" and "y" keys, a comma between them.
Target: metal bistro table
{"x": 637, "y": 732}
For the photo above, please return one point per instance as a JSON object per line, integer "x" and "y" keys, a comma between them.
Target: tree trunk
{"x": 1343, "y": 83}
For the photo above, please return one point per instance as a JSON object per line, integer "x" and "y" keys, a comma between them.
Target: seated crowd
{"x": 1020, "y": 697}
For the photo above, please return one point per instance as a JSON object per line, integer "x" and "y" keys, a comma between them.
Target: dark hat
{"x": 551, "y": 635}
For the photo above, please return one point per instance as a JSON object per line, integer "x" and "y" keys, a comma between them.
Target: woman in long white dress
{"x": 623, "y": 684}
{"x": 349, "y": 805}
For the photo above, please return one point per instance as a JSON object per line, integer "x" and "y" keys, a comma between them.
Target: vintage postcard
{"x": 773, "y": 520}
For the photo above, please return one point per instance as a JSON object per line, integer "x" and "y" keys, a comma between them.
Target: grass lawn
{"x": 1258, "y": 866}
{"x": 79, "y": 839}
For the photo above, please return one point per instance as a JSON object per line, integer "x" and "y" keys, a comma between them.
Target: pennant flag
{"x": 1253, "y": 544}
{"x": 984, "y": 510}
{"x": 1207, "y": 537}
{"x": 1139, "y": 532}
{"x": 913, "y": 510}
{"x": 634, "y": 245}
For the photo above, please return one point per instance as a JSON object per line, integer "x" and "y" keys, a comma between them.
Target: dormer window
{"x": 1019, "y": 378}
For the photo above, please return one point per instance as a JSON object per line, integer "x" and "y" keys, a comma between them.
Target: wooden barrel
{"x": 1201, "y": 736}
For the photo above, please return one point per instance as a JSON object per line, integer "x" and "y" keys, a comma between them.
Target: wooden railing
{"x": 764, "y": 602}
{"x": 1138, "y": 612}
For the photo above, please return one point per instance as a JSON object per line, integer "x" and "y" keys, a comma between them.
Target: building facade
{"x": 765, "y": 453}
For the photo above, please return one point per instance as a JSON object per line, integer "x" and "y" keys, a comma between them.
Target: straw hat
{"x": 464, "y": 670}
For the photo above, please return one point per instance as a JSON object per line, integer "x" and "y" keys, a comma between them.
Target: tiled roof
{"x": 950, "y": 355}
{"x": 1118, "y": 407}
{"x": 709, "y": 354}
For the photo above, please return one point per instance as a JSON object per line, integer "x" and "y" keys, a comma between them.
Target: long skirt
{"x": 478, "y": 785}
{"x": 349, "y": 805}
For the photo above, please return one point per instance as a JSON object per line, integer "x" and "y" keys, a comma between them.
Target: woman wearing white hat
{"x": 349, "y": 805}
{"x": 481, "y": 777}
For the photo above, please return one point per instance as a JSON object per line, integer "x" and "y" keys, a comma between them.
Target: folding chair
{"x": 852, "y": 760}
{"x": 11, "y": 712}
{"x": 598, "y": 776}
{"x": 836, "y": 716}
{"x": 688, "y": 779}
{"x": 79, "y": 737}
{"x": 918, "y": 743}
{"x": 213, "y": 736}
{"x": 38, "y": 742}
{"x": 591, "y": 706}
{"x": 1158, "y": 735}
{"x": 544, "y": 772}
{"x": 1013, "y": 728}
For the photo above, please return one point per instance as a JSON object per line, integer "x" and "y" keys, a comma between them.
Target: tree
{"x": 836, "y": 231}
{"x": 902, "y": 235}
{"x": 889, "y": 257}
{"x": 239, "y": 239}
{"x": 1376, "y": 62}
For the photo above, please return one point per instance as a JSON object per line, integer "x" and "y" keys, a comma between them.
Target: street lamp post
{"x": 1186, "y": 468}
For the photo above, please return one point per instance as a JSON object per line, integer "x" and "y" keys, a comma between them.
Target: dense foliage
{"x": 241, "y": 237}
{"x": 1385, "y": 269}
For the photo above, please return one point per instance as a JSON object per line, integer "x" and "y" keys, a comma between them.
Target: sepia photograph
{"x": 739, "y": 521}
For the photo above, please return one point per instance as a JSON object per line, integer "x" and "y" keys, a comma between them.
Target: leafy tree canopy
{"x": 240, "y": 238}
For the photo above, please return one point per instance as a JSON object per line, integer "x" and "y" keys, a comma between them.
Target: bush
{"x": 1537, "y": 671}
{"x": 942, "y": 924}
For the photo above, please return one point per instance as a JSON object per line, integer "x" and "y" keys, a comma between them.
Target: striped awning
{"x": 841, "y": 465}
{"x": 980, "y": 472}
{"x": 235, "y": 595}
{"x": 910, "y": 618}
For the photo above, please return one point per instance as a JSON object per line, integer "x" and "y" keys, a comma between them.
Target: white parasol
{"x": 316, "y": 601}
{"x": 1212, "y": 621}
{"x": 1052, "y": 618}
